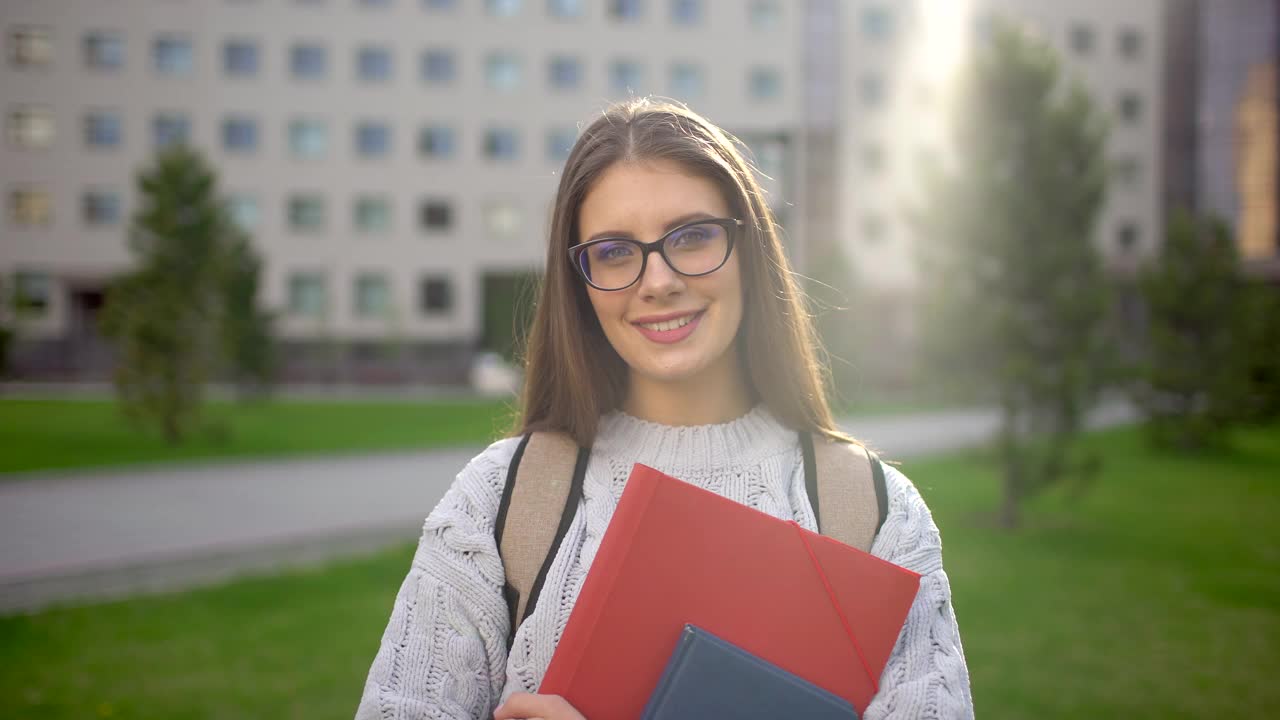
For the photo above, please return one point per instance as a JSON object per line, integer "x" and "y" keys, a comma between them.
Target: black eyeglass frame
{"x": 732, "y": 226}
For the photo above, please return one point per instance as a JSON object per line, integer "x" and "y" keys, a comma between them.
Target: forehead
{"x": 642, "y": 198}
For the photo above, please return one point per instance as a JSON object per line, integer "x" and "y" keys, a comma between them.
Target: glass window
{"x": 101, "y": 208}
{"x": 306, "y": 213}
{"x": 1081, "y": 39}
{"x": 31, "y": 46}
{"x": 502, "y": 70}
{"x": 436, "y": 215}
{"x": 1130, "y": 107}
{"x": 32, "y": 292}
{"x": 1130, "y": 44}
{"x": 373, "y": 64}
{"x": 308, "y": 294}
{"x": 372, "y": 214}
{"x": 308, "y": 61}
{"x": 874, "y": 229}
{"x": 626, "y": 77}
{"x": 239, "y": 134}
{"x": 102, "y": 129}
{"x": 765, "y": 14}
{"x": 308, "y": 138}
{"x": 173, "y": 55}
{"x": 375, "y": 3}
{"x": 170, "y": 128}
{"x": 871, "y": 90}
{"x": 438, "y": 5}
{"x": 564, "y": 8}
{"x": 373, "y": 139}
{"x": 686, "y": 81}
{"x": 1127, "y": 171}
{"x": 765, "y": 83}
{"x": 31, "y": 128}
{"x": 437, "y": 142}
{"x": 245, "y": 211}
{"x": 104, "y": 50}
{"x": 1127, "y": 236}
{"x": 502, "y": 219}
{"x": 877, "y": 22}
{"x": 686, "y": 12}
{"x": 501, "y": 144}
{"x": 873, "y": 159}
{"x": 435, "y": 295}
{"x": 240, "y": 58}
{"x": 438, "y": 67}
{"x": 373, "y": 295}
{"x": 565, "y": 72}
{"x": 503, "y": 8}
{"x": 625, "y": 10}
{"x": 30, "y": 207}
{"x": 560, "y": 143}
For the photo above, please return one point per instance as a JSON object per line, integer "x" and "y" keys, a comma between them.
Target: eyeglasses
{"x": 693, "y": 249}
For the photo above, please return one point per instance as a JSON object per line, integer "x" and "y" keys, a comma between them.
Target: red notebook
{"x": 676, "y": 554}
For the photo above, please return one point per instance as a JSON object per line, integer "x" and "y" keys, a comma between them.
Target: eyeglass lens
{"x": 692, "y": 250}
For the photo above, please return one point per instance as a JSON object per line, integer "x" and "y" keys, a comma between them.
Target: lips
{"x": 669, "y": 329}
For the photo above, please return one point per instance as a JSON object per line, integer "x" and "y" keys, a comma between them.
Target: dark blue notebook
{"x": 709, "y": 678}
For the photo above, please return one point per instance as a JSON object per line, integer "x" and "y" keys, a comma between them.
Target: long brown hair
{"x": 572, "y": 373}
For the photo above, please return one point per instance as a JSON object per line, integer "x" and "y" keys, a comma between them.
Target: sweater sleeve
{"x": 926, "y": 675}
{"x": 444, "y": 651}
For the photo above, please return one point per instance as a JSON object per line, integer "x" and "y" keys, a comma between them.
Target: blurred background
{"x": 265, "y": 266}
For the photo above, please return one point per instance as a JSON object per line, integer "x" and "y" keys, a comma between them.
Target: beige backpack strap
{"x": 847, "y": 482}
{"x": 544, "y": 487}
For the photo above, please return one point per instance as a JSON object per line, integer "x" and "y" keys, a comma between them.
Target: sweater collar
{"x": 743, "y": 441}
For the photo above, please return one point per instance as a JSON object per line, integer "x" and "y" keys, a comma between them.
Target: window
{"x": 101, "y": 208}
{"x": 873, "y": 160}
{"x": 308, "y": 294}
{"x": 564, "y": 8}
{"x": 1081, "y": 39}
{"x": 306, "y": 213}
{"x": 435, "y": 295}
{"x": 240, "y": 58}
{"x": 438, "y": 5}
{"x": 173, "y": 55}
{"x": 502, "y": 8}
{"x": 239, "y": 134}
{"x": 765, "y": 14}
{"x": 103, "y": 51}
{"x": 308, "y": 61}
{"x": 308, "y": 139}
{"x": 501, "y": 144}
{"x": 436, "y": 215}
{"x": 871, "y": 90}
{"x": 373, "y": 64}
{"x": 376, "y": 4}
{"x": 877, "y": 22}
{"x": 29, "y": 207}
{"x": 31, "y": 47}
{"x": 1127, "y": 236}
{"x": 31, "y": 128}
{"x": 686, "y": 81}
{"x": 1130, "y": 44}
{"x": 502, "y": 70}
{"x": 373, "y": 139}
{"x": 1130, "y": 107}
{"x": 438, "y": 67}
{"x": 373, "y": 295}
{"x": 764, "y": 83}
{"x": 170, "y": 128}
{"x": 102, "y": 129}
{"x": 686, "y": 12}
{"x": 625, "y": 10}
{"x": 372, "y": 214}
{"x": 1127, "y": 171}
{"x": 565, "y": 73}
{"x": 626, "y": 77}
{"x": 873, "y": 229}
{"x": 32, "y": 292}
{"x": 245, "y": 211}
{"x": 437, "y": 142}
{"x": 502, "y": 219}
{"x": 560, "y": 143}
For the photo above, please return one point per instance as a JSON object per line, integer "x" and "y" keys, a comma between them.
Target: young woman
{"x": 669, "y": 332}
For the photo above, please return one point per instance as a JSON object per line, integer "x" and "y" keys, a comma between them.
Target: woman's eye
{"x": 616, "y": 251}
{"x": 692, "y": 236}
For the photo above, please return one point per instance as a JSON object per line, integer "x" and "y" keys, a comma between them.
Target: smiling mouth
{"x": 672, "y": 324}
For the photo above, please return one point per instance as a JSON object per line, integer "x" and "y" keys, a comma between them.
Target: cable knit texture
{"x": 444, "y": 652}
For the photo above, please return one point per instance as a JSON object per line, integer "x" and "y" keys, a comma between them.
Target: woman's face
{"x": 642, "y": 322}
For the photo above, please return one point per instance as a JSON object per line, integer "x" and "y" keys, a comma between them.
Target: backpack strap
{"x": 846, "y": 487}
{"x": 544, "y": 481}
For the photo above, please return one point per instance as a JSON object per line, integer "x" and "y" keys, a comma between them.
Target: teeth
{"x": 668, "y": 324}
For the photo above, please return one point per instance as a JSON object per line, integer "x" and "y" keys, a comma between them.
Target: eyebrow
{"x": 673, "y": 224}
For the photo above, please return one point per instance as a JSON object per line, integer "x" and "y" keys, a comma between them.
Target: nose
{"x": 658, "y": 279}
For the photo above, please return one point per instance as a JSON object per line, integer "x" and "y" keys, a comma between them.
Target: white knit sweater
{"x": 444, "y": 652}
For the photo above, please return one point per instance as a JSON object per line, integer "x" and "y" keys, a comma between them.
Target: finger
{"x": 525, "y": 706}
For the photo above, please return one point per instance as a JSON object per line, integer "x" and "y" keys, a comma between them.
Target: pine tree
{"x": 1015, "y": 296}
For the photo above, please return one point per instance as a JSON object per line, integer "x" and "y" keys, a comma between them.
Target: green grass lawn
{"x": 1155, "y": 596}
{"x": 40, "y": 434}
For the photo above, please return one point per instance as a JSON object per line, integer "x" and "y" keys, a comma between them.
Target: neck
{"x": 716, "y": 396}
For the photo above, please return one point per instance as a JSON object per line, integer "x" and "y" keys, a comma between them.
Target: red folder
{"x": 676, "y": 554}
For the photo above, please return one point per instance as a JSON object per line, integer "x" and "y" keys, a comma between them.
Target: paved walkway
{"x": 65, "y": 536}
